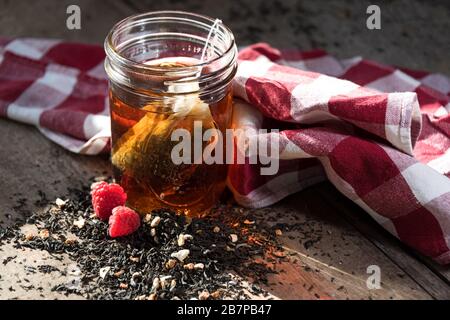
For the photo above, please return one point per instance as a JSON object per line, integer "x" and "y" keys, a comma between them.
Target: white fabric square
{"x": 247, "y": 69}
{"x": 315, "y": 95}
{"x": 395, "y": 82}
{"x": 426, "y": 183}
{"x": 30, "y": 48}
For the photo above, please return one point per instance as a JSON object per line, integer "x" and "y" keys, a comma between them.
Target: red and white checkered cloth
{"x": 60, "y": 88}
{"x": 381, "y": 135}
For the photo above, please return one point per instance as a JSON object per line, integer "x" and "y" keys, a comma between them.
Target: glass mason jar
{"x": 163, "y": 87}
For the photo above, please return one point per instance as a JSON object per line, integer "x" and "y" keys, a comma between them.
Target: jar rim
{"x": 113, "y": 53}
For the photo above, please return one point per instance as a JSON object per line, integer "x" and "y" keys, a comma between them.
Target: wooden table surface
{"x": 414, "y": 34}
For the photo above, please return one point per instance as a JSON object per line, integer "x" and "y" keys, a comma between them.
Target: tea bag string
{"x": 191, "y": 103}
{"x": 212, "y": 31}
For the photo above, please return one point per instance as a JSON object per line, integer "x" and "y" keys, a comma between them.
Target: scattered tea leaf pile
{"x": 169, "y": 257}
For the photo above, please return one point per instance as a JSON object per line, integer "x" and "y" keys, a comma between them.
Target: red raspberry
{"x": 123, "y": 221}
{"x": 105, "y": 197}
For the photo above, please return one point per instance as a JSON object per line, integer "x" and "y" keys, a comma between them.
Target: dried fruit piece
{"x": 123, "y": 286}
{"x": 181, "y": 255}
{"x": 164, "y": 281}
{"x": 156, "y": 284}
{"x": 70, "y": 241}
{"x": 216, "y": 294}
{"x": 60, "y": 202}
{"x": 199, "y": 266}
{"x": 104, "y": 271}
{"x": 170, "y": 263}
{"x": 29, "y": 236}
{"x": 79, "y": 222}
{"x": 148, "y": 218}
{"x": 173, "y": 284}
{"x": 204, "y": 295}
{"x": 182, "y": 239}
{"x": 134, "y": 259}
{"x": 44, "y": 233}
{"x": 155, "y": 222}
{"x": 119, "y": 273}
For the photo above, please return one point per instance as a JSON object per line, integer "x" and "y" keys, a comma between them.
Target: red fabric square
{"x": 429, "y": 99}
{"x": 420, "y": 230}
{"x": 370, "y": 109}
{"x": 259, "y": 49}
{"x": 365, "y": 72}
{"x": 63, "y": 121}
{"x": 266, "y": 93}
{"x": 363, "y": 164}
{"x": 392, "y": 204}
{"x": 76, "y": 55}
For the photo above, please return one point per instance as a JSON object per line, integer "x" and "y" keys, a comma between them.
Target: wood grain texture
{"x": 332, "y": 256}
{"x": 428, "y": 274}
{"x": 30, "y": 163}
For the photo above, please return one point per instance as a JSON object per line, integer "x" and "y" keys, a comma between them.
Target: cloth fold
{"x": 380, "y": 134}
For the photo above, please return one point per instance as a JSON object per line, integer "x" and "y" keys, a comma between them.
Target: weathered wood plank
{"x": 332, "y": 256}
{"x": 442, "y": 271}
{"x": 30, "y": 163}
{"x": 22, "y": 279}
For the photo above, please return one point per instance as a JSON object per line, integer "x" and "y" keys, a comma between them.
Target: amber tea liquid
{"x": 141, "y": 154}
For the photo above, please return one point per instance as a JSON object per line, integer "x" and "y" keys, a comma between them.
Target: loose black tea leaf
{"x": 169, "y": 257}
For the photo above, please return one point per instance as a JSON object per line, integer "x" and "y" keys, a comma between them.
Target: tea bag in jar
{"x": 144, "y": 151}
